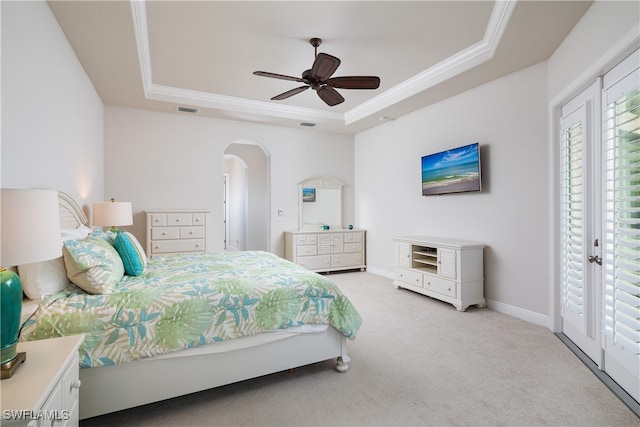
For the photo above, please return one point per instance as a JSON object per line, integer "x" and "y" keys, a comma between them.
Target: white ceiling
{"x": 161, "y": 54}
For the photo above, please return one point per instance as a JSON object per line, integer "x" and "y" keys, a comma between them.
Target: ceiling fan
{"x": 319, "y": 79}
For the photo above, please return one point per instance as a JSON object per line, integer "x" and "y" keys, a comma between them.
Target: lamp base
{"x": 10, "y": 367}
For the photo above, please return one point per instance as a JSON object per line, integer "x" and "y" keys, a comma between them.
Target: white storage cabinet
{"x": 445, "y": 269}
{"x": 326, "y": 250}
{"x": 176, "y": 231}
{"x": 43, "y": 391}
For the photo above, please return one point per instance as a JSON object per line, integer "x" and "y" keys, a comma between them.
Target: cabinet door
{"x": 403, "y": 255}
{"x": 337, "y": 243}
{"x": 447, "y": 263}
{"x": 324, "y": 244}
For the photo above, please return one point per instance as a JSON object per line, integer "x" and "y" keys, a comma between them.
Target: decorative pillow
{"x": 93, "y": 264}
{"x": 44, "y": 278}
{"x": 131, "y": 252}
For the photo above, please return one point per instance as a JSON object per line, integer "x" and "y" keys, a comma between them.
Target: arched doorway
{"x": 247, "y": 197}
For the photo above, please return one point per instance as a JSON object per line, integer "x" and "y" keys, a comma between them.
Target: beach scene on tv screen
{"x": 451, "y": 171}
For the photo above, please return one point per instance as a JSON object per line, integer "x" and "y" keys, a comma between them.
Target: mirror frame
{"x": 323, "y": 182}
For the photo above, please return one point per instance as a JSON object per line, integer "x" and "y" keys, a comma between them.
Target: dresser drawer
{"x": 409, "y": 276}
{"x": 319, "y": 262}
{"x": 191, "y": 232}
{"x": 158, "y": 220}
{"x": 179, "y": 219}
{"x": 186, "y": 245}
{"x": 353, "y": 237}
{"x": 346, "y": 261}
{"x": 163, "y": 233}
{"x": 306, "y": 250}
{"x": 197, "y": 219}
{"x": 306, "y": 239}
{"x": 439, "y": 285}
{"x": 352, "y": 247}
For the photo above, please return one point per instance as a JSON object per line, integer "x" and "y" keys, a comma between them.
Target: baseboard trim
{"x": 606, "y": 379}
{"x": 381, "y": 272}
{"x": 519, "y": 313}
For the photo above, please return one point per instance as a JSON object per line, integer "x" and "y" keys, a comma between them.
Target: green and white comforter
{"x": 184, "y": 301}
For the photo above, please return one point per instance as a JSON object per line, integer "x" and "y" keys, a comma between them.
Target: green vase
{"x": 11, "y": 305}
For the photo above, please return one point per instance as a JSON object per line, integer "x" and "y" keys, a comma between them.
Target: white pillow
{"x": 48, "y": 277}
{"x": 75, "y": 233}
{"x": 43, "y": 278}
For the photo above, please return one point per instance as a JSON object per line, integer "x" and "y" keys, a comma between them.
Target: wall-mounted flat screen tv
{"x": 452, "y": 171}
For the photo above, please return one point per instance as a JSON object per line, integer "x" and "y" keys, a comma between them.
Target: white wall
{"x": 52, "y": 117}
{"x": 605, "y": 29}
{"x": 508, "y": 117}
{"x": 164, "y": 160}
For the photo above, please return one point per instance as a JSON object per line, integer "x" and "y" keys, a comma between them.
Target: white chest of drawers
{"x": 324, "y": 251}
{"x": 43, "y": 391}
{"x": 176, "y": 231}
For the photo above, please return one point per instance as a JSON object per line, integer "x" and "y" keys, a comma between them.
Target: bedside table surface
{"x": 34, "y": 380}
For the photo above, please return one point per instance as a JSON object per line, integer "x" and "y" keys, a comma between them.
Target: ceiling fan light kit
{"x": 318, "y": 77}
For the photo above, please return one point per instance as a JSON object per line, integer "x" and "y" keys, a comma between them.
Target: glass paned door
{"x": 579, "y": 222}
{"x": 621, "y": 224}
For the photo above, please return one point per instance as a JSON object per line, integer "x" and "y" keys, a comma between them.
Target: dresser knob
{"x": 76, "y": 384}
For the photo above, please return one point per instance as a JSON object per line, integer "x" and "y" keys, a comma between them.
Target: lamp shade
{"x": 30, "y": 226}
{"x": 112, "y": 214}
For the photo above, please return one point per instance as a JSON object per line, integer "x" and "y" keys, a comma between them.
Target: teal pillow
{"x": 130, "y": 250}
{"x": 93, "y": 264}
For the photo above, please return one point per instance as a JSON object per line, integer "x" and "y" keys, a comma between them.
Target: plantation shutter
{"x": 621, "y": 210}
{"x": 572, "y": 217}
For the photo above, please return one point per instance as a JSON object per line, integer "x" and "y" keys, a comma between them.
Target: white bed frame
{"x": 113, "y": 388}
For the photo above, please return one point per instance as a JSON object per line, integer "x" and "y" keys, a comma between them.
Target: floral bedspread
{"x": 184, "y": 301}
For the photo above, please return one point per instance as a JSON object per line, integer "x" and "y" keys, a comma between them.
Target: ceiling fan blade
{"x": 277, "y": 76}
{"x": 324, "y": 66}
{"x": 289, "y": 93}
{"x": 355, "y": 82}
{"x": 330, "y": 96}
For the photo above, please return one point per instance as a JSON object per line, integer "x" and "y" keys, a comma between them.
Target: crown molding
{"x": 239, "y": 105}
{"x": 456, "y": 64}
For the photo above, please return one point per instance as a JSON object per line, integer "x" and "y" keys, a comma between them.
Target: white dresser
{"x": 329, "y": 250}
{"x": 43, "y": 391}
{"x": 176, "y": 231}
{"x": 445, "y": 269}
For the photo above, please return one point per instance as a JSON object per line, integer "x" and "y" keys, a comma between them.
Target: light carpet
{"x": 416, "y": 362}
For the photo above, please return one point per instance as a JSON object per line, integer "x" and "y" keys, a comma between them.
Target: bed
{"x": 186, "y": 323}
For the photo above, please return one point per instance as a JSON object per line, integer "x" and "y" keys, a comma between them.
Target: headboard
{"x": 71, "y": 215}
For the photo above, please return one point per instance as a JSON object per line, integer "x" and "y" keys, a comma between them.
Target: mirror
{"x": 320, "y": 203}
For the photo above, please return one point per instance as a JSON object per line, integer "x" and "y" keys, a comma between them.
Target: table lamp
{"x": 29, "y": 232}
{"x": 112, "y": 214}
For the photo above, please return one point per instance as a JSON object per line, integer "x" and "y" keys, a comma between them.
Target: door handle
{"x": 595, "y": 259}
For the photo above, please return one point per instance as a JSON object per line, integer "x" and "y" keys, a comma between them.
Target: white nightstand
{"x": 44, "y": 390}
